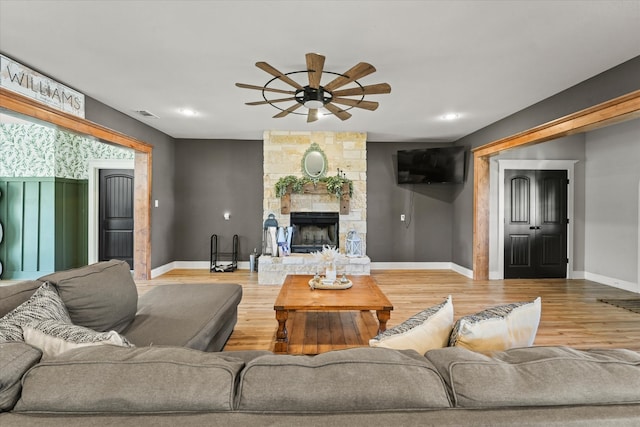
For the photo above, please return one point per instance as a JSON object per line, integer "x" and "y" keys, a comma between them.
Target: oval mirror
{"x": 314, "y": 162}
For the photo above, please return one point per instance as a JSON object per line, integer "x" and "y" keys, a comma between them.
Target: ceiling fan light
{"x": 313, "y": 104}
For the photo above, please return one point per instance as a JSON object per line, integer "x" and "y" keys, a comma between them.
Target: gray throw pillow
{"x": 101, "y": 296}
{"x": 44, "y": 304}
{"x": 12, "y": 296}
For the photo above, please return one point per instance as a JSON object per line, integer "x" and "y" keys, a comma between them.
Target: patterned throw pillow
{"x": 54, "y": 337}
{"x": 44, "y": 304}
{"x": 423, "y": 331}
{"x": 498, "y": 328}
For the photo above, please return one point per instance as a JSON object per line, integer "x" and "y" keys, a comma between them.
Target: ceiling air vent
{"x": 146, "y": 113}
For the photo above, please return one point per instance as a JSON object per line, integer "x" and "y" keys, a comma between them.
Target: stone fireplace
{"x": 283, "y": 152}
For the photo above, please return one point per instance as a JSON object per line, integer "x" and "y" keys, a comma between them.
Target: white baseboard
{"x": 613, "y": 282}
{"x": 158, "y": 271}
{"x": 189, "y": 265}
{"x": 244, "y": 265}
{"x": 422, "y": 266}
{"x": 411, "y": 266}
{"x": 462, "y": 270}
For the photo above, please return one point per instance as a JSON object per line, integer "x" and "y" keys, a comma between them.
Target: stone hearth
{"x": 273, "y": 270}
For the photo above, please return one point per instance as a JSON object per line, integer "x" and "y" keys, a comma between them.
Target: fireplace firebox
{"x": 313, "y": 230}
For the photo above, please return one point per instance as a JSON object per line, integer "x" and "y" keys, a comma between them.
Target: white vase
{"x": 330, "y": 272}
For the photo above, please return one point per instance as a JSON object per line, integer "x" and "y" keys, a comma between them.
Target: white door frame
{"x": 496, "y": 211}
{"x": 94, "y": 200}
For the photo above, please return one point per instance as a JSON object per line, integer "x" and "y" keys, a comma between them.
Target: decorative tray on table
{"x": 329, "y": 284}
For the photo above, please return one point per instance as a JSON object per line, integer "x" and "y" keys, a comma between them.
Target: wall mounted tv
{"x": 444, "y": 165}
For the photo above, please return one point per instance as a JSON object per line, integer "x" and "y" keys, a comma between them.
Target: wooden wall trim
{"x": 620, "y": 109}
{"x": 142, "y": 224}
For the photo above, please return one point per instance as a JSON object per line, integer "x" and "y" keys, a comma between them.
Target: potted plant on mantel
{"x": 337, "y": 185}
{"x": 292, "y": 184}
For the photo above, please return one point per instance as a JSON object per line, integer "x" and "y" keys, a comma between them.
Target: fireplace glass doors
{"x": 312, "y": 230}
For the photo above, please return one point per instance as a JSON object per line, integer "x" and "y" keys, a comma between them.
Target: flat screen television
{"x": 444, "y": 165}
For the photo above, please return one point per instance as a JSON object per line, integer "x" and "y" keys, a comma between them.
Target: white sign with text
{"x": 25, "y": 81}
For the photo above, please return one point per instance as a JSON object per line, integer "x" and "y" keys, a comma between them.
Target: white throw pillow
{"x": 498, "y": 328}
{"x": 423, "y": 331}
{"x": 55, "y": 337}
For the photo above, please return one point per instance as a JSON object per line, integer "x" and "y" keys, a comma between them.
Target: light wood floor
{"x": 571, "y": 312}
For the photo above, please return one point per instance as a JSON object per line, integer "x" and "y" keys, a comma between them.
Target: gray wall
{"x": 610, "y": 84}
{"x": 213, "y": 177}
{"x": 209, "y": 177}
{"x": 162, "y": 186}
{"x": 612, "y": 185}
{"x": 425, "y": 236}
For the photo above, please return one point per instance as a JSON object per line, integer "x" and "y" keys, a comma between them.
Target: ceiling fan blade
{"x": 287, "y": 111}
{"x": 266, "y": 89}
{"x": 367, "y": 105}
{"x": 337, "y": 111}
{"x": 276, "y": 73}
{"x": 312, "y": 115}
{"x": 354, "y": 73}
{"x": 315, "y": 64}
{"x": 364, "y": 90}
{"x": 271, "y": 101}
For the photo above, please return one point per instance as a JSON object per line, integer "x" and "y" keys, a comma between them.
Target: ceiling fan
{"x": 314, "y": 95}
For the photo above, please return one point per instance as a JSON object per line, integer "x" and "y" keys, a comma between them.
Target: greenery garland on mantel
{"x": 334, "y": 184}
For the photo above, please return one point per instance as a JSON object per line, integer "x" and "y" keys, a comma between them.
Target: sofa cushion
{"x": 184, "y": 315}
{"x": 44, "y": 304}
{"x": 54, "y": 337}
{"x": 15, "y": 359}
{"x": 423, "y": 331}
{"x": 101, "y": 296}
{"x": 358, "y": 379}
{"x": 12, "y": 296}
{"x": 539, "y": 376}
{"x": 121, "y": 380}
{"x": 498, "y": 328}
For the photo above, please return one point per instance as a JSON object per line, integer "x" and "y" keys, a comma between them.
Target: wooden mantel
{"x": 318, "y": 188}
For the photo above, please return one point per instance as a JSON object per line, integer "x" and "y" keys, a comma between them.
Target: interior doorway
{"x": 535, "y": 226}
{"x": 95, "y": 166}
{"x": 497, "y": 208}
{"x": 115, "y": 215}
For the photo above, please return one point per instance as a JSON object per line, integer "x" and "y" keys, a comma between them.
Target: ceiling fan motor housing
{"x": 313, "y": 98}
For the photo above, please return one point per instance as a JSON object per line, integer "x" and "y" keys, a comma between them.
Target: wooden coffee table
{"x": 296, "y": 295}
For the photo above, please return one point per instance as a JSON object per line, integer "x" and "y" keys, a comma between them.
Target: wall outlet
{"x": 402, "y": 217}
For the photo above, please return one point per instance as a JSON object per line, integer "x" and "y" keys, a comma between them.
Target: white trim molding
{"x": 94, "y": 200}
{"x": 496, "y": 211}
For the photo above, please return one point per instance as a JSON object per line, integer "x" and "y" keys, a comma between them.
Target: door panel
{"x": 116, "y": 215}
{"x": 520, "y": 250}
{"x": 535, "y": 224}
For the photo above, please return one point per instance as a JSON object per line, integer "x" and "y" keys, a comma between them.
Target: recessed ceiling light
{"x": 188, "y": 112}
{"x": 450, "y": 116}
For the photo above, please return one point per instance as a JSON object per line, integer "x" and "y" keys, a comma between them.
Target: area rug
{"x": 627, "y": 304}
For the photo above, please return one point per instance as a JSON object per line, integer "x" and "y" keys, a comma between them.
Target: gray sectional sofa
{"x": 167, "y": 380}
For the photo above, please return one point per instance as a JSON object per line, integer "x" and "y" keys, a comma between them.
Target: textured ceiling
{"x": 481, "y": 59}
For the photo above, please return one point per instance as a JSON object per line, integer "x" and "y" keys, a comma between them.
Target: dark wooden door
{"x": 535, "y": 237}
{"x": 116, "y": 215}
